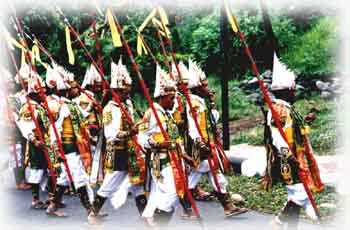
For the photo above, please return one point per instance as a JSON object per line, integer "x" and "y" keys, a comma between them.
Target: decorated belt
{"x": 68, "y": 140}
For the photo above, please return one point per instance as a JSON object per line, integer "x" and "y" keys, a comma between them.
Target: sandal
{"x": 55, "y": 213}
{"x": 234, "y": 212}
{"x": 38, "y": 205}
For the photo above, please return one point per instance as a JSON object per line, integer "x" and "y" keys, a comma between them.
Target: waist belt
{"x": 68, "y": 140}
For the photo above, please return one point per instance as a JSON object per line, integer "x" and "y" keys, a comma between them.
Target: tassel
{"x": 70, "y": 52}
{"x": 163, "y": 15}
{"x": 23, "y": 57}
{"x": 156, "y": 21}
{"x": 149, "y": 17}
{"x": 115, "y": 35}
{"x": 141, "y": 46}
{"x": 230, "y": 18}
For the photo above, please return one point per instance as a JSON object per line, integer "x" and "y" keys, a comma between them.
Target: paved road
{"x": 18, "y": 215}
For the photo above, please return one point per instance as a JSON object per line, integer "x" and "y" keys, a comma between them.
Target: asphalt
{"x": 18, "y": 215}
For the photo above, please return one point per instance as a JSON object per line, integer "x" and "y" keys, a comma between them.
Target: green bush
{"x": 314, "y": 53}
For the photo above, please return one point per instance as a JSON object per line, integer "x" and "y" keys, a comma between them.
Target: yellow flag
{"x": 115, "y": 35}
{"x": 23, "y": 57}
{"x": 35, "y": 53}
{"x": 13, "y": 41}
{"x": 149, "y": 17}
{"x": 70, "y": 52}
{"x": 163, "y": 15}
{"x": 156, "y": 21}
{"x": 230, "y": 18}
{"x": 140, "y": 46}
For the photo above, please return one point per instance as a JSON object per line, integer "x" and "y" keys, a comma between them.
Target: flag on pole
{"x": 115, "y": 35}
{"x": 70, "y": 52}
{"x": 145, "y": 22}
{"x": 36, "y": 55}
{"x": 230, "y": 18}
{"x": 163, "y": 15}
{"x": 159, "y": 24}
{"x": 140, "y": 46}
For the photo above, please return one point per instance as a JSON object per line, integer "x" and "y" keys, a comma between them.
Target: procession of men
{"x": 89, "y": 139}
{"x": 100, "y": 149}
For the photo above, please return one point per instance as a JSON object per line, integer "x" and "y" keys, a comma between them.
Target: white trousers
{"x": 163, "y": 194}
{"x": 34, "y": 176}
{"x": 120, "y": 196}
{"x": 204, "y": 169}
{"x": 298, "y": 195}
{"x": 111, "y": 183}
{"x": 76, "y": 169}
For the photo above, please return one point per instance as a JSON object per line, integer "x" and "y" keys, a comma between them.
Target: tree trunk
{"x": 226, "y": 72}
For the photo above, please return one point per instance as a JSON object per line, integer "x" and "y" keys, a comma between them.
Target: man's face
{"x": 25, "y": 85}
{"x": 205, "y": 89}
{"x": 169, "y": 101}
{"x": 97, "y": 87}
{"x": 121, "y": 94}
{"x": 182, "y": 86}
{"x": 83, "y": 105}
{"x": 74, "y": 90}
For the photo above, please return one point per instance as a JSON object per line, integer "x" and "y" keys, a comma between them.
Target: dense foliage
{"x": 306, "y": 45}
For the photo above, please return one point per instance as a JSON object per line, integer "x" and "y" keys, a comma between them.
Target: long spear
{"x": 114, "y": 95}
{"x": 36, "y": 123}
{"x": 47, "y": 53}
{"x": 192, "y": 111}
{"x": 268, "y": 100}
{"x": 42, "y": 95}
{"x": 150, "y": 102}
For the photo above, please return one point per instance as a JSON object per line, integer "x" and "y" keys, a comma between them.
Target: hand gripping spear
{"x": 193, "y": 114}
{"x": 150, "y": 102}
{"x": 115, "y": 96}
{"x": 34, "y": 118}
{"x": 273, "y": 111}
{"x": 164, "y": 52}
{"x": 42, "y": 95}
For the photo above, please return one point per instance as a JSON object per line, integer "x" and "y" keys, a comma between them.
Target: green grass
{"x": 323, "y": 130}
{"x": 258, "y": 199}
{"x": 239, "y": 104}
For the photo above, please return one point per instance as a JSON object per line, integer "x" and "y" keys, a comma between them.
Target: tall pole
{"x": 225, "y": 71}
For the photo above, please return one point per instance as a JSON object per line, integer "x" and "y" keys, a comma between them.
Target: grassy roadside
{"x": 257, "y": 199}
{"x": 323, "y": 131}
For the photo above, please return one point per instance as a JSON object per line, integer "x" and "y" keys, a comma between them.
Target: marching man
{"x": 121, "y": 165}
{"x": 283, "y": 164}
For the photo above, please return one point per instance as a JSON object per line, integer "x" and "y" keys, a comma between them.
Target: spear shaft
{"x": 150, "y": 102}
{"x": 42, "y": 95}
{"x": 274, "y": 113}
{"x": 36, "y": 123}
{"x": 114, "y": 94}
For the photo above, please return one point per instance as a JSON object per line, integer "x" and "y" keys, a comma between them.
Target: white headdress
{"x": 164, "y": 84}
{"x": 88, "y": 80}
{"x": 64, "y": 78}
{"x": 95, "y": 73}
{"x": 183, "y": 70}
{"x": 23, "y": 73}
{"x": 119, "y": 75}
{"x": 35, "y": 82}
{"x": 196, "y": 75}
{"x": 282, "y": 77}
{"x": 51, "y": 77}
